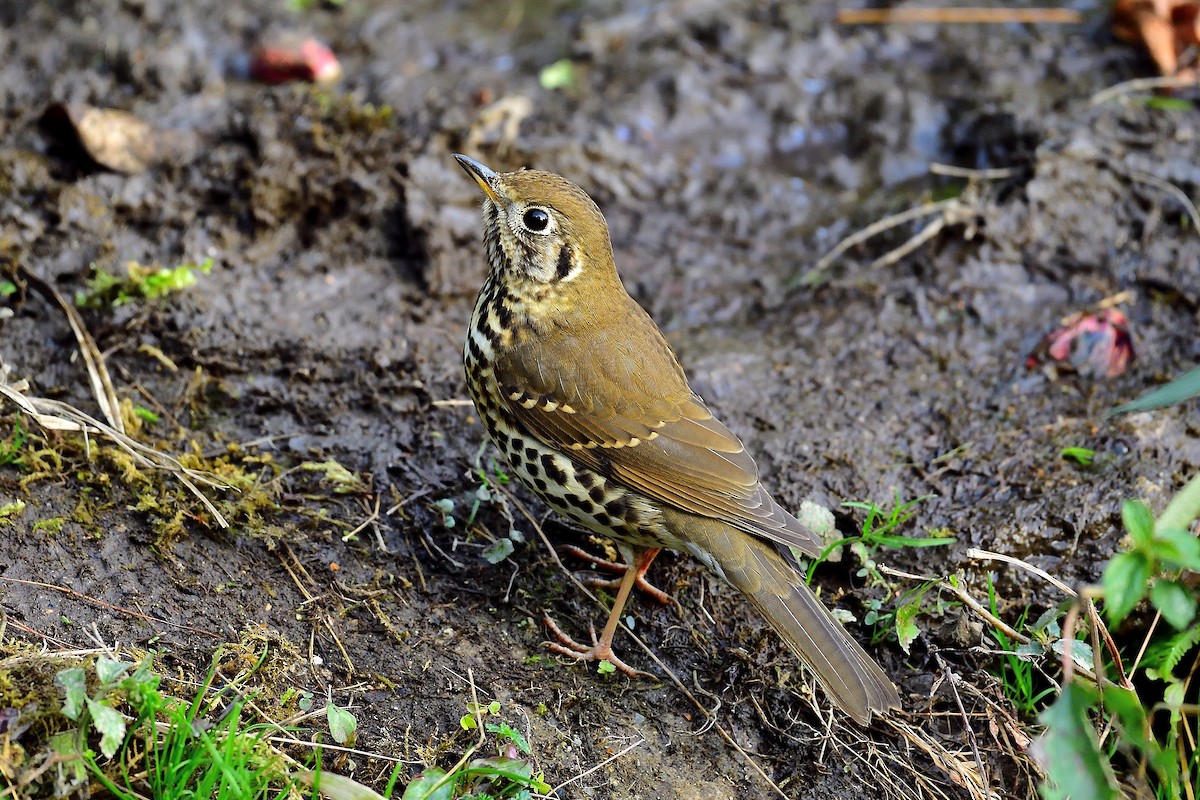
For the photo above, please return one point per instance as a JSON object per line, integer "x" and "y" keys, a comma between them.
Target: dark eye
{"x": 536, "y": 220}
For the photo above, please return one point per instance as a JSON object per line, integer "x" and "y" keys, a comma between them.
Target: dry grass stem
{"x": 59, "y": 416}
{"x": 93, "y": 359}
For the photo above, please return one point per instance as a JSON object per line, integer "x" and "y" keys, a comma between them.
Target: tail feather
{"x": 772, "y": 584}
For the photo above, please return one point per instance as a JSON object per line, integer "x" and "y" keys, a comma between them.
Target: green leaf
{"x": 1080, "y": 455}
{"x": 605, "y": 668}
{"x": 421, "y": 787}
{"x": 468, "y": 722}
{"x": 1167, "y": 103}
{"x": 1125, "y": 580}
{"x": 7, "y": 288}
{"x": 1127, "y": 706}
{"x": 339, "y": 787}
{"x": 1179, "y": 548}
{"x": 513, "y": 769}
{"x": 1081, "y": 652}
{"x": 892, "y": 540}
{"x": 1163, "y": 656}
{"x": 111, "y": 725}
{"x": 498, "y": 550}
{"x": 110, "y": 671}
{"x": 1070, "y": 753}
{"x": 559, "y": 75}
{"x": 1185, "y": 387}
{"x": 74, "y": 682}
{"x": 511, "y": 734}
{"x": 906, "y": 628}
{"x": 1138, "y": 521}
{"x": 342, "y": 723}
{"x": 1174, "y": 601}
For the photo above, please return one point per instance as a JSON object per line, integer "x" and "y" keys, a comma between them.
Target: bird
{"x": 582, "y": 394}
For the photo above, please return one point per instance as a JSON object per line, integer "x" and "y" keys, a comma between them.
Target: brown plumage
{"x": 581, "y": 392}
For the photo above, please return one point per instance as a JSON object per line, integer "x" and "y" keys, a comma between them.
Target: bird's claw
{"x": 598, "y": 651}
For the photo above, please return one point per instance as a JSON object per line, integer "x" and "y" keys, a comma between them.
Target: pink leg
{"x": 602, "y": 650}
{"x": 640, "y": 583}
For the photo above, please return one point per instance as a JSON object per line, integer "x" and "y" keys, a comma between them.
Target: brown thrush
{"x": 580, "y": 390}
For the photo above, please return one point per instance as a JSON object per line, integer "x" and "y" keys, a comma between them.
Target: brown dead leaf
{"x": 1165, "y": 27}
{"x": 118, "y": 140}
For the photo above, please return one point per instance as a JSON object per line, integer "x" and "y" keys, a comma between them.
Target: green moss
{"x": 52, "y": 526}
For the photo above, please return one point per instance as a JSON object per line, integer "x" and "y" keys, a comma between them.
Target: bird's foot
{"x": 640, "y": 583}
{"x": 598, "y": 651}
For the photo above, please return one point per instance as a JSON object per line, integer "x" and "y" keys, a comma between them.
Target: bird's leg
{"x": 640, "y": 583}
{"x": 602, "y": 650}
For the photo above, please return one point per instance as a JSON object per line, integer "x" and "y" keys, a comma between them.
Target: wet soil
{"x": 730, "y": 145}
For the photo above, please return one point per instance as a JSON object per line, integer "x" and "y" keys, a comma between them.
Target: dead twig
{"x": 988, "y": 555}
{"x": 952, "y": 680}
{"x": 876, "y": 228}
{"x": 1120, "y": 90}
{"x": 95, "y": 601}
{"x": 967, "y": 600}
{"x": 959, "y": 16}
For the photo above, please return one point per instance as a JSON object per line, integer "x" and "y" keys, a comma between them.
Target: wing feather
{"x": 636, "y": 420}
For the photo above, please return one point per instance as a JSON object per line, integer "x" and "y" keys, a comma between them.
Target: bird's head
{"x": 541, "y": 228}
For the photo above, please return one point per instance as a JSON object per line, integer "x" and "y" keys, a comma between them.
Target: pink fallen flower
{"x": 288, "y": 59}
{"x": 1093, "y": 344}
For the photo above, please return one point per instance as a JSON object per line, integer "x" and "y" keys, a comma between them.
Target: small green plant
{"x": 490, "y": 478}
{"x": 11, "y": 510}
{"x": 1151, "y": 567}
{"x": 10, "y": 448}
{"x": 559, "y": 75}
{"x": 1150, "y": 715}
{"x": 508, "y": 774}
{"x": 105, "y": 290}
{"x": 899, "y": 620}
{"x": 878, "y": 531}
{"x": 306, "y": 5}
{"x": 1018, "y": 661}
{"x": 172, "y": 748}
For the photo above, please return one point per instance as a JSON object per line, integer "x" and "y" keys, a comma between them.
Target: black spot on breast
{"x": 531, "y": 454}
{"x": 504, "y": 314}
{"x": 617, "y": 507}
{"x": 603, "y": 519}
{"x": 579, "y": 501}
{"x": 597, "y": 494}
{"x": 563, "y": 268}
{"x": 553, "y": 471}
{"x": 539, "y": 484}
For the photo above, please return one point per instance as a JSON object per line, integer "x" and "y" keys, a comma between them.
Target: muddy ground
{"x": 730, "y": 145}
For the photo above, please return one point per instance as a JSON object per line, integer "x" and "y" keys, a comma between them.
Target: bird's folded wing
{"x": 639, "y": 423}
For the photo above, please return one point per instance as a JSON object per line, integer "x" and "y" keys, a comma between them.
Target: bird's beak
{"x": 486, "y": 179}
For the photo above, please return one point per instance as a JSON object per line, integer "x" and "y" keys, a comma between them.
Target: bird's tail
{"x": 777, "y": 590}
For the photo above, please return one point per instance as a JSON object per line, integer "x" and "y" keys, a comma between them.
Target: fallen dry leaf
{"x": 118, "y": 140}
{"x": 1165, "y": 27}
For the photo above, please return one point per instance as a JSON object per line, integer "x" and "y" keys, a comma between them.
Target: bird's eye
{"x": 536, "y": 220}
